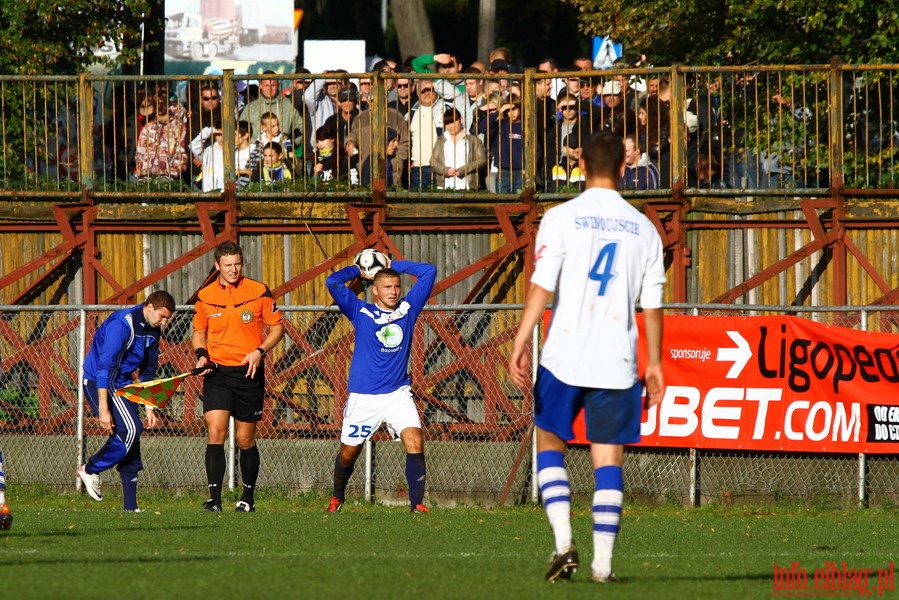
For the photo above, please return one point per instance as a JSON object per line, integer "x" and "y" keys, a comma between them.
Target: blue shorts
{"x": 611, "y": 416}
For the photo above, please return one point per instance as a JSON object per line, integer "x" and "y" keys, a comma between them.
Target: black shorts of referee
{"x": 229, "y": 388}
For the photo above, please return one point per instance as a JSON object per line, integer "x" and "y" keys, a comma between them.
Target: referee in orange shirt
{"x": 230, "y": 317}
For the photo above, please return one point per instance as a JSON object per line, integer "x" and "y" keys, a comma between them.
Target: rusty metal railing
{"x": 740, "y": 132}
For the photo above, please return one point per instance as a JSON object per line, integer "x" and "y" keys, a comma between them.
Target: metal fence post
{"x": 535, "y": 356}
{"x": 695, "y": 481}
{"x": 85, "y": 132}
{"x": 678, "y": 133}
{"x": 369, "y": 471}
{"x": 836, "y": 126}
{"x": 694, "y": 478}
{"x": 80, "y": 439}
{"x": 862, "y": 457}
{"x": 530, "y": 129}
{"x": 862, "y": 481}
{"x": 379, "y": 158}
{"x": 229, "y": 126}
{"x": 232, "y": 453}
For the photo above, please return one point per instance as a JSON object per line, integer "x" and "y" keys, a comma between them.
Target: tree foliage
{"x": 41, "y": 37}
{"x": 740, "y": 32}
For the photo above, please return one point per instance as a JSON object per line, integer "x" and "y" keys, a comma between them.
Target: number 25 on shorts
{"x": 357, "y": 431}
{"x": 603, "y": 269}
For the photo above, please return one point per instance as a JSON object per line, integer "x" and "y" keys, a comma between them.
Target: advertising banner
{"x": 774, "y": 384}
{"x": 249, "y": 36}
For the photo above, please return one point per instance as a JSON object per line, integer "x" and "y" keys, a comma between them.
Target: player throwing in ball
{"x": 380, "y": 391}
{"x": 599, "y": 255}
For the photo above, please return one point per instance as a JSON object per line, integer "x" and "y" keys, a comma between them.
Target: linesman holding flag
{"x": 125, "y": 346}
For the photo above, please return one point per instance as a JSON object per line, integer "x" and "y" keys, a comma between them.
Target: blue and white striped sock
{"x": 607, "y": 500}
{"x": 556, "y": 493}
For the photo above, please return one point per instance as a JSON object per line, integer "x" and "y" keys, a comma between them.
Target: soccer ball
{"x": 370, "y": 261}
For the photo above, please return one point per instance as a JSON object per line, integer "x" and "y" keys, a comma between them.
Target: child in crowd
{"x": 327, "y": 154}
{"x": 244, "y": 149}
{"x": 207, "y": 146}
{"x": 273, "y": 167}
{"x": 271, "y": 129}
{"x": 567, "y": 171}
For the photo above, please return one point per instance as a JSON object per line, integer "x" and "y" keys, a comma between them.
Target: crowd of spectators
{"x": 463, "y": 130}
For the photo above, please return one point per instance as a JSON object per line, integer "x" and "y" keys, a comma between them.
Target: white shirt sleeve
{"x": 549, "y": 255}
{"x": 652, "y": 292}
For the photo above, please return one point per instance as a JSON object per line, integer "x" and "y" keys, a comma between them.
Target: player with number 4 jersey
{"x": 596, "y": 256}
{"x": 599, "y": 255}
{"x": 379, "y": 387}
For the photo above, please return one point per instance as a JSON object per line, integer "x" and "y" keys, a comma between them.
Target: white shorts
{"x": 365, "y": 413}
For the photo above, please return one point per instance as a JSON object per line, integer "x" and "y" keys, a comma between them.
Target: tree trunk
{"x": 486, "y": 29}
{"x": 413, "y": 29}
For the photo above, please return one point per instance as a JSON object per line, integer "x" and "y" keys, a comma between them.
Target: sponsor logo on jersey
{"x": 391, "y": 335}
{"x": 383, "y": 317}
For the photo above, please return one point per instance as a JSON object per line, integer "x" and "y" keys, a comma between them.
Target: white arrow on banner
{"x": 739, "y": 355}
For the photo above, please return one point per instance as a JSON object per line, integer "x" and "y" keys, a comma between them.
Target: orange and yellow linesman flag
{"x": 155, "y": 393}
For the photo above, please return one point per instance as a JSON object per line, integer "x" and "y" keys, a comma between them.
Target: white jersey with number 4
{"x": 599, "y": 255}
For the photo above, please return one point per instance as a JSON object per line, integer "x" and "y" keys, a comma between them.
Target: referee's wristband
{"x": 201, "y": 353}
{"x": 261, "y": 351}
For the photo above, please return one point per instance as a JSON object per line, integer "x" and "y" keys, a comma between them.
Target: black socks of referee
{"x": 249, "y": 472}
{"x": 215, "y": 470}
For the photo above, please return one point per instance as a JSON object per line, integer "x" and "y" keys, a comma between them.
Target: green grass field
{"x": 67, "y": 546}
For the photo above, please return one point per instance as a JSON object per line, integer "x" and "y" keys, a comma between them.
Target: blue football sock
{"x": 341, "y": 478}
{"x": 415, "y": 477}
{"x": 129, "y": 490}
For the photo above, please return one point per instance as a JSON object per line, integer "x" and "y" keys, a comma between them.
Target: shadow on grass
{"x": 133, "y": 560}
{"x": 77, "y": 533}
{"x": 767, "y": 576}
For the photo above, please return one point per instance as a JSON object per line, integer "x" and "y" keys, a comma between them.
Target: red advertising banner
{"x": 774, "y": 383}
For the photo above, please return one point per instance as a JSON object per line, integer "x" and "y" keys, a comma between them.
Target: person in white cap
{"x": 613, "y": 115}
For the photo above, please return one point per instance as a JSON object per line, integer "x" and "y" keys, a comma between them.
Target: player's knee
{"x": 348, "y": 455}
{"x": 413, "y": 440}
{"x": 216, "y": 435}
{"x": 245, "y": 442}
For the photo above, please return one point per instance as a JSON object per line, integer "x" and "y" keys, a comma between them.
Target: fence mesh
{"x": 476, "y": 423}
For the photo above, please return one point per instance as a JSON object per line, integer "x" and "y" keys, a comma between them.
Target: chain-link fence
{"x": 476, "y": 423}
